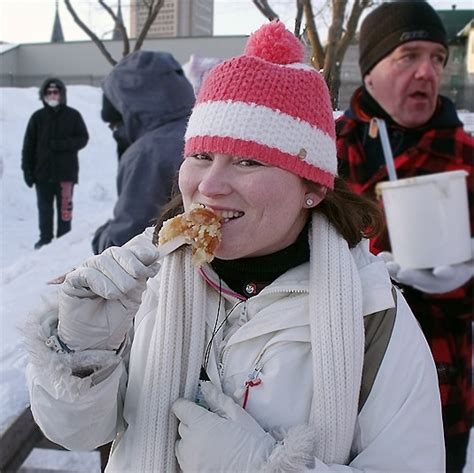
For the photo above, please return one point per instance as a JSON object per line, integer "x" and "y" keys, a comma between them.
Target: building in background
{"x": 177, "y": 18}
{"x": 459, "y": 86}
{"x": 27, "y": 65}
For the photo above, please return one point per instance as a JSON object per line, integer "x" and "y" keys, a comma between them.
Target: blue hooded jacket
{"x": 155, "y": 99}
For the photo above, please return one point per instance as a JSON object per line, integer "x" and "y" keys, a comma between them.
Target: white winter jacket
{"x": 399, "y": 429}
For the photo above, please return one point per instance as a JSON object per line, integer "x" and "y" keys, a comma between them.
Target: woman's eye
{"x": 201, "y": 156}
{"x": 249, "y": 162}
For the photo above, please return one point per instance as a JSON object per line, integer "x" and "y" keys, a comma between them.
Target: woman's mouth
{"x": 228, "y": 215}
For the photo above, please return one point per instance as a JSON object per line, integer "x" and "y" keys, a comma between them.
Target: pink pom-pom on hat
{"x": 274, "y": 43}
{"x": 267, "y": 105}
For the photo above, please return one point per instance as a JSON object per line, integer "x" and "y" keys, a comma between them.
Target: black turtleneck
{"x": 248, "y": 276}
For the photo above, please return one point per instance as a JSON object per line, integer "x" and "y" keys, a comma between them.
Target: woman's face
{"x": 262, "y": 206}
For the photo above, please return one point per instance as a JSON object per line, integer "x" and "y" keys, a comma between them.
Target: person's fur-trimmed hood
{"x": 59, "y": 84}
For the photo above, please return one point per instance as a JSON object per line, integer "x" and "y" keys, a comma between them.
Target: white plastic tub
{"x": 428, "y": 219}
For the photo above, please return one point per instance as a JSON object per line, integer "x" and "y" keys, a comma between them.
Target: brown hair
{"x": 354, "y": 216}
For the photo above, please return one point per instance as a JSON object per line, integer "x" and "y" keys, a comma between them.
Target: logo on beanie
{"x": 414, "y": 35}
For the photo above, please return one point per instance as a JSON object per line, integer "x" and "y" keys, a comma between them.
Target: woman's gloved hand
{"x": 226, "y": 438}
{"x": 438, "y": 280}
{"x": 99, "y": 299}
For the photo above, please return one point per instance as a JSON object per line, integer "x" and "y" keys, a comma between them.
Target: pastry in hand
{"x": 201, "y": 228}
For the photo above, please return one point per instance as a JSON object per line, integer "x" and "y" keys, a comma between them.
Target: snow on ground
{"x": 60, "y": 461}
{"x": 4, "y": 47}
{"x": 24, "y": 271}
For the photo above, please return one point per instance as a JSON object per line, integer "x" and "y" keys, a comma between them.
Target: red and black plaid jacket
{"x": 446, "y": 318}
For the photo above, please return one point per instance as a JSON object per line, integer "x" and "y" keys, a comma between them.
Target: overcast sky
{"x": 31, "y": 21}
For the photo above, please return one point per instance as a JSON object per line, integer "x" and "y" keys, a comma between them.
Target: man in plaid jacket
{"x": 403, "y": 51}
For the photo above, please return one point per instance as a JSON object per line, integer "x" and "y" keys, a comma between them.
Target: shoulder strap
{"x": 378, "y": 330}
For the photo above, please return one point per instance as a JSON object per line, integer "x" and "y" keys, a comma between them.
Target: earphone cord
{"x": 216, "y": 330}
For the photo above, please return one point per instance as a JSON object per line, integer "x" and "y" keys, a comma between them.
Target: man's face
{"x": 52, "y": 95}
{"x": 406, "y": 82}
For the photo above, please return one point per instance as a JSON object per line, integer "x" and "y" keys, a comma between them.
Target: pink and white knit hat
{"x": 267, "y": 105}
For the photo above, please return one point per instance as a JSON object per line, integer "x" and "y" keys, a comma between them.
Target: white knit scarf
{"x": 337, "y": 339}
{"x": 173, "y": 362}
{"x": 177, "y": 344}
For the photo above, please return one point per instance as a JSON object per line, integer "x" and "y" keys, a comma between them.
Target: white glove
{"x": 99, "y": 299}
{"x": 228, "y": 439}
{"x": 438, "y": 280}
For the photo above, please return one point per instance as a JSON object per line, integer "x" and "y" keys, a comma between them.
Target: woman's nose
{"x": 215, "y": 181}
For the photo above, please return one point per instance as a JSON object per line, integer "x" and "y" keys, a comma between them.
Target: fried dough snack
{"x": 201, "y": 228}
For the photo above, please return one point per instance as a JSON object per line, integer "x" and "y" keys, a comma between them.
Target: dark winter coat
{"x": 154, "y": 97}
{"x": 52, "y": 140}
{"x": 440, "y": 145}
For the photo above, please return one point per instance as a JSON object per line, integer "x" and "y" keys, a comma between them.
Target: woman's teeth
{"x": 227, "y": 215}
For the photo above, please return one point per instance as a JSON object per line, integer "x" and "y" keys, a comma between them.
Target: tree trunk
{"x": 317, "y": 57}
{"x": 334, "y": 85}
{"x": 329, "y": 58}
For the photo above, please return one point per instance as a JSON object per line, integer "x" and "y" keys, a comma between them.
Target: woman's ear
{"x": 314, "y": 196}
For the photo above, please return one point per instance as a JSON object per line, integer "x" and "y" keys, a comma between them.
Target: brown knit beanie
{"x": 396, "y": 23}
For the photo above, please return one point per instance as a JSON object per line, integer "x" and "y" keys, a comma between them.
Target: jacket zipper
{"x": 225, "y": 352}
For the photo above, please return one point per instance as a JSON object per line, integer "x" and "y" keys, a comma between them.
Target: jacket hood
{"x": 148, "y": 89}
{"x": 60, "y": 85}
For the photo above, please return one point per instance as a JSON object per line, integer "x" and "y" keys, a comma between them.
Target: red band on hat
{"x": 251, "y": 149}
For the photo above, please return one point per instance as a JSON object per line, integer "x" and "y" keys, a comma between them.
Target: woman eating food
{"x": 244, "y": 333}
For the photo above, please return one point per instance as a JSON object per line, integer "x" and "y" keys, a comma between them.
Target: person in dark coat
{"x": 53, "y": 138}
{"x": 403, "y": 52}
{"x": 154, "y": 98}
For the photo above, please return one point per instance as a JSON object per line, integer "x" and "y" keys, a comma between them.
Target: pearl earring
{"x": 309, "y": 202}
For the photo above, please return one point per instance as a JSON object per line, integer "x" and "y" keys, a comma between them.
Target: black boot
{"x": 41, "y": 243}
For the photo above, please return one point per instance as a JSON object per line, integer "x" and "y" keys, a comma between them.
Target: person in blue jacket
{"x": 150, "y": 91}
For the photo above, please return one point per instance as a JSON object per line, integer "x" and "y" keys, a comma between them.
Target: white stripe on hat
{"x": 265, "y": 126}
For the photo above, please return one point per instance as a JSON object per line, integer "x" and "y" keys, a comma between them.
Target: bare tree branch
{"x": 265, "y": 9}
{"x": 108, "y": 10}
{"x": 334, "y": 35}
{"x": 153, "y": 10}
{"x": 299, "y": 18}
{"x": 90, "y": 33}
{"x": 317, "y": 57}
{"x": 120, "y": 25}
{"x": 329, "y": 58}
{"x": 351, "y": 26}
